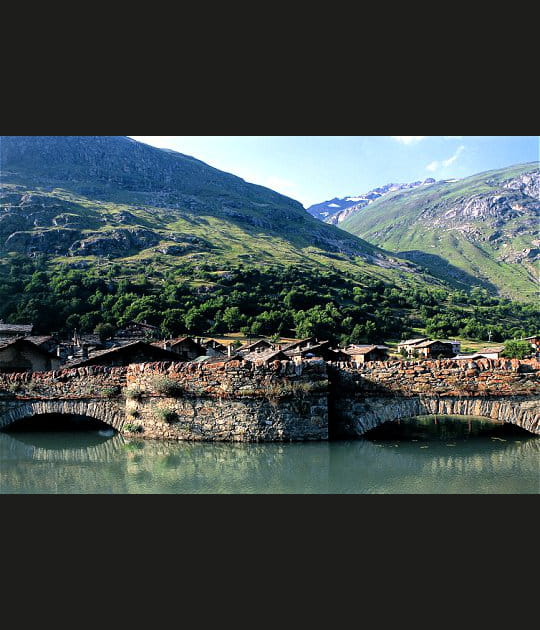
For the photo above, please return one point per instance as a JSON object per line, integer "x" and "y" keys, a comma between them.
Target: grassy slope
{"x": 394, "y": 223}
{"x": 227, "y": 242}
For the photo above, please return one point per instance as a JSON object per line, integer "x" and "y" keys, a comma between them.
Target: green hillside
{"x": 82, "y": 200}
{"x": 96, "y": 231}
{"x": 479, "y": 231}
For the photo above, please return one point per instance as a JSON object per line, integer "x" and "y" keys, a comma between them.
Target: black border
{"x": 387, "y": 542}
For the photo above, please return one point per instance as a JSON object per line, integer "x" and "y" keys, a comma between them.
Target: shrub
{"x": 110, "y": 392}
{"x": 517, "y": 350}
{"x": 133, "y": 428}
{"x": 167, "y": 387}
{"x": 169, "y": 416}
{"x": 134, "y": 392}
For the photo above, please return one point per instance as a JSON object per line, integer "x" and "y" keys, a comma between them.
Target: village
{"x": 22, "y": 350}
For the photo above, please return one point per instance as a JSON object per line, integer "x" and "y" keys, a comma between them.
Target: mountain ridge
{"x": 81, "y": 197}
{"x": 484, "y": 226}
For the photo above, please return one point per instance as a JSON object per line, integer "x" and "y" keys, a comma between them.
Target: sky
{"x": 313, "y": 169}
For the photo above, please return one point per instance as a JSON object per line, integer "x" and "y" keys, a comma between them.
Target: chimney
{"x": 229, "y": 350}
{"x": 85, "y": 351}
{"x": 59, "y": 351}
{"x": 166, "y": 346}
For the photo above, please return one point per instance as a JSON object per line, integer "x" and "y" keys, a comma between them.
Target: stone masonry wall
{"x": 234, "y": 401}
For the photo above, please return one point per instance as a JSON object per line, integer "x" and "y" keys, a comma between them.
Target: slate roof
{"x": 413, "y": 342}
{"x": 16, "y": 329}
{"x": 158, "y": 354}
{"x": 271, "y": 355}
{"x": 24, "y": 342}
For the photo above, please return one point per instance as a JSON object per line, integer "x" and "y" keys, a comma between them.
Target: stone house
{"x": 185, "y": 347}
{"x": 13, "y": 331}
{"x": 491, "y": 353}
{"x": 47, "y": 342}
{"x": 434, "y": 349}
{"x": 265, "y": 356}
{"x": 302, "y": 344}
{"x": 261, "y": 344}
{"x": 409, "y": 345}
{"x": 21, "y": 355}
{"x": 535, "y": 342}
{"x": 215, "y": 348}
{"x": 136, "y": 352}
{"x": 366, "y": 353}
{"x": 456, "y": 345}
{"x": 319, "y": 351}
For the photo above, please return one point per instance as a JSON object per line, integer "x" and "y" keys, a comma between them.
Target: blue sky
{"x": 312, "y": 169}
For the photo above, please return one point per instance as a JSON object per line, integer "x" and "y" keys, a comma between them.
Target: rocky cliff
{"x": 480, "y": 230}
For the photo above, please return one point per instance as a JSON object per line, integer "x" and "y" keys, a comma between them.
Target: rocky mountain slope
{"x": 336, "y": 210}
{"x": 81, "y": 199}
{"x": 479, "y": 230}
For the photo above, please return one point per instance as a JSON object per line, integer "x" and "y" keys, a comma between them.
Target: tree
{"x": 517, "y": 349}
{"x": 105, "y": 331}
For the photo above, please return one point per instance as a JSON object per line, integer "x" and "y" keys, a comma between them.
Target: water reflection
{"x": 416, "y": 460}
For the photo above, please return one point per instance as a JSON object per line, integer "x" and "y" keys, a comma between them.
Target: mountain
{"x": 337, "y": 210}
{"x": 78, "y": 200}
{"x": 481, "y": 230}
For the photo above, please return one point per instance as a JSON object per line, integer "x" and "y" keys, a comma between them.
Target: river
{"x": 427, "y": 455}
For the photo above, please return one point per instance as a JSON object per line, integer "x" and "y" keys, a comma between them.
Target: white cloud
{"x": 453, "y": 137}
{"x": 408, "y": 139}
{"x": 437, "y": 165}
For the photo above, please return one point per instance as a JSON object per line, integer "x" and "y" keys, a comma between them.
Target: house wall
{"x": 13, "y": 359}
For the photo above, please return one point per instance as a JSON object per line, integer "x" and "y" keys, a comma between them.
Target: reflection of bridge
{"x": 106, "y": 450}
{"x": 282, "y": 401}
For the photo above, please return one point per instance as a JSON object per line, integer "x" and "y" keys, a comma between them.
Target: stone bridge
{"x": 503, "y": 390}
{"x": 243, "y": 401}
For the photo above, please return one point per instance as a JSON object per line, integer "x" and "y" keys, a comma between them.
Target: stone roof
{"x": 430, "y": 342}
{"x": 22, "y": 329}
{"x": 38, "y": 340}
{"x": 490, "y": 350}
{"x": 24, "y": 342}
{"x": 271, "y": 355}
{"x": 247, "y": 346}
{"x": 363, "y": 349}
{"x": 165, "y": 355}
{"x": 413, "y": 342}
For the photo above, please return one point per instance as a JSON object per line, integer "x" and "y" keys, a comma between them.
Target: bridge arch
{"x": 373, "y": 412}
{"x": 110, "y": 414}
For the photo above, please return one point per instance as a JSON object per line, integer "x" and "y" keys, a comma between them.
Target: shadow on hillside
{"x": 442, "y": 269}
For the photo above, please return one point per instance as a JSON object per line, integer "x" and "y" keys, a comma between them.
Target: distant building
{"x": 319, "y": 350}
{"x": 12, "y": 331}
{"x": 433, "y": 349}
{"x": 261, "y": 344}
{"x": 301, "y": 344}
{"x": 216, "y": 349}
{"x": 366, "y": 353}
{"x": 20, "y": 355}
{"x": 47, "y": 342}
{"x": 136, "y": 352}
{"x": 409, "y": 345}
{"x": 456, "y": 345}
{"x": 137, "y": 330}
{"x": 491, "y": 353}
{"x": 535, "y": 342}
{"x": 265, "y": 356}
{"x": 185, "y": 347}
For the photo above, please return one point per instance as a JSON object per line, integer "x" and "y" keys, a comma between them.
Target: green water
{"x": 449, "y": 456}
